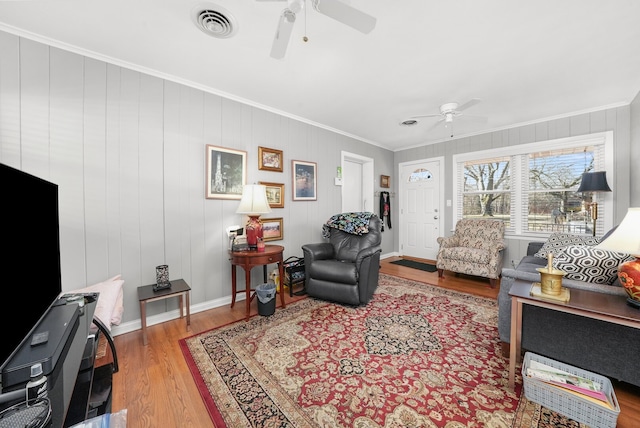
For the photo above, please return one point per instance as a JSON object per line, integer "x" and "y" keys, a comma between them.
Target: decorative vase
{"x": 629, "y": 275}
{"x": 162, "y": 277}
{"x": 254, "y": 231}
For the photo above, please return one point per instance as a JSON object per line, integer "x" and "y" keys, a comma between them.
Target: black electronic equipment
{"x": 30, "y": 211}
{"x": 61, "y": 322}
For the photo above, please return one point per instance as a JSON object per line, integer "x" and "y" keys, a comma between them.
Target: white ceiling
{"x": 526, "y": 60}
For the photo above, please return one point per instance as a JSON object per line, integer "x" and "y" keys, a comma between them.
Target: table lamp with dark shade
{"x": 626, "y": 239}
{"x": 593, "y": 182}
{"x": 254, "y": 203}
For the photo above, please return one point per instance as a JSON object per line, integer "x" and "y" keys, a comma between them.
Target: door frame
{"x": 367, "y": 178}
{"x": 401, "y": 190}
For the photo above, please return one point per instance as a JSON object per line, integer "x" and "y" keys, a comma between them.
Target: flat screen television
{"x": 30, "y": 264}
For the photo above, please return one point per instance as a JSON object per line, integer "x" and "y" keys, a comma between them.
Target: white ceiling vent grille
{"x": 215, "y": 21}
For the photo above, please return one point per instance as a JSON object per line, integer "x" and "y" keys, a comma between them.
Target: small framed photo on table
{"x": 275, "y": 194}
{"x": 272, "y": 229}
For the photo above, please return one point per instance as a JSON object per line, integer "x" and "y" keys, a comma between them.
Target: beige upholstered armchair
{"x": 475, "y": 248}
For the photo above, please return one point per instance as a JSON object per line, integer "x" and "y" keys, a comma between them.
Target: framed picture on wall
{"x": 305, "y": 180}
{"x": 272, "y": 229}
{"x": 269, "y": 159}
{"x": 384, "y": 181}
{"x": 275, "y": 194}
{"x": 226, "y": 172}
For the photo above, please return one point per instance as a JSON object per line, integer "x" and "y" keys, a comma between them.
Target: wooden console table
{"x": 249, "y": 259}
{"x": 586, "y": 303}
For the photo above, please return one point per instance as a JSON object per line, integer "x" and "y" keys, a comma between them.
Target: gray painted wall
{"x": 634, "y": 158}
{"x": 615, "y": 119}
{"x": 128, "y": 153}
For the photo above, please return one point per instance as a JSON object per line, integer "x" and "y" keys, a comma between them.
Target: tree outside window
{"x": 554, "y": 177}
{"x": 536, "y": 190}
{"x": 487, "y": 185}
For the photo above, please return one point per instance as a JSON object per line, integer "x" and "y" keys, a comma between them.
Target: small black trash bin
{"x": 266, "y": 298}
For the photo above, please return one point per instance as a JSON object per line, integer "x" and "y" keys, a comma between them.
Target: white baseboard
{"x": 134, "y": 325}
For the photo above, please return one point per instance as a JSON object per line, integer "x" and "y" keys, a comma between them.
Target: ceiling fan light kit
{"x": 448, "y": 112}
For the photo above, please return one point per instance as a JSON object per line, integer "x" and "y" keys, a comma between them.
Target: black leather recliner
{"x": 346, "y": 268}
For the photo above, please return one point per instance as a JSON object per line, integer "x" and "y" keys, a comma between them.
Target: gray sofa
{"x": 607, "y": 349}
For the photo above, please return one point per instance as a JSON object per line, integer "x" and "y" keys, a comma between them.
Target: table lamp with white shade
{"x": 626, "y": 239}
{"x": 254, "y": 203}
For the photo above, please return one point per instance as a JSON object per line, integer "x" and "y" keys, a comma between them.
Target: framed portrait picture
{"x": 305, "y": 180}
{"x": 226, "y": 172}
{"x": 275, "y": 194}
{"x": 384, "y": 181}
{"x": 269, "y": 159}
{"x": 272, "y": 229}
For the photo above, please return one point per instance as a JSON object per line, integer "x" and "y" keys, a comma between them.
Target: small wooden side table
{"x": 249, "y": 259}
{"x": 179, "y": 288}
{"x": 591, "y": 304}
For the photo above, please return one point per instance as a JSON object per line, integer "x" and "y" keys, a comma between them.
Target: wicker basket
{"x": 566, "y": 403}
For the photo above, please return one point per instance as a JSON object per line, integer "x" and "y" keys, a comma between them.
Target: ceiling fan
{"x": 448, "y": 112}
{"x": 335, "y": 9}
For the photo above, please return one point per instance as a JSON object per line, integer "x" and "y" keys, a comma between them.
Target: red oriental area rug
{"x": 415, "y": 356}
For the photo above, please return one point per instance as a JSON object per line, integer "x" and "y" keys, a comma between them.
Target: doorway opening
{"x": 357, "y": 183}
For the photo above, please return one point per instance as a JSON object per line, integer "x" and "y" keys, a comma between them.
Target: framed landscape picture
{"x": 305, "y": 180}
{"x": 275, "y": 194}
{"x": 272, "y": 229}
{"x": 226, "y": 172}
{"x": 269, "y": 159}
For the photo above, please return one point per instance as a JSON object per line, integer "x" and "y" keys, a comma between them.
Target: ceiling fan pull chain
{"x": 305, "y": 38}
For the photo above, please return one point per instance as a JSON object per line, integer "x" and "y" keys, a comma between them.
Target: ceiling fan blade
{"x": 468, "y": 104}
{"x": 434, "y": 125}
{"x": 346, "y": 14}
{"x": 426, "y": 115}
{"x": 283, "y": 34}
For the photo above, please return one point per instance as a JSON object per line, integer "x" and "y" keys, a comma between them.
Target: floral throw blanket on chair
{"x": 356, "y": 223}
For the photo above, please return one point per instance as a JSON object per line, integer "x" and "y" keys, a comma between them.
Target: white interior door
{"x": 357, "y": 183}
{"x": 420, "y": 202}
{"x": 352, "y": 187}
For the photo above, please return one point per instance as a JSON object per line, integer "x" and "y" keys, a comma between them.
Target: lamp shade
{"x": 594, "y": 182}
{"x": 626, "y": 237}
{"x": 254, "y": 200}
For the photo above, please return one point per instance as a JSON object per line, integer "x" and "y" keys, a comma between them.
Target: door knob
{"x": 435, "y": 217}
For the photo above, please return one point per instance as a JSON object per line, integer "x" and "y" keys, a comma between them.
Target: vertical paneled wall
{"x": 128, "y": 153}
{"x": 635, "y": 152}
{"x": 614, "y": 119}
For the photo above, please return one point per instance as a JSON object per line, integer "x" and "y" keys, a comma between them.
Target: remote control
{"x": 39, "y": 338}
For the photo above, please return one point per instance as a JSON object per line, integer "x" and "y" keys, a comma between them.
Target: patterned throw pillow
{"x": 559, "y": 241}
{"x": 590, "y": 264}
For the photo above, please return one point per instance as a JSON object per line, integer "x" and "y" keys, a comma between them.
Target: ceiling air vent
{"x": 216, "y": 22}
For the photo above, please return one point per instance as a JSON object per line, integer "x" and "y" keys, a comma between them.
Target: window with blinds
{"x": 487, "y": 189}
{"x": 533, "y": 187}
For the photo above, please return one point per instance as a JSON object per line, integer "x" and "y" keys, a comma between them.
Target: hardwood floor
{"x": 156, "y": 387}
